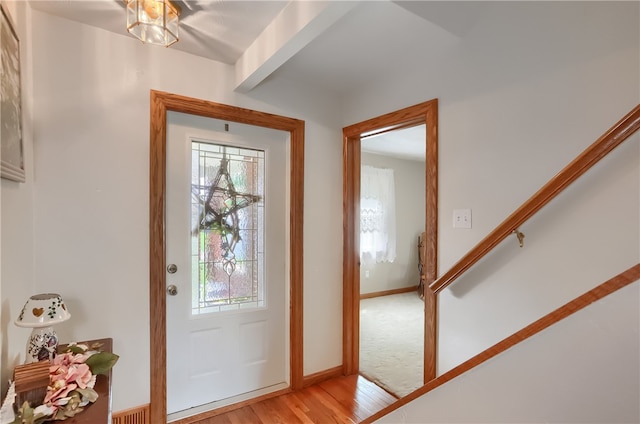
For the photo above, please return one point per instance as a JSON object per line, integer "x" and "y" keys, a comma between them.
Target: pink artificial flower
{"x": 68, "y": 372}
{"x": 70, "y": 358}
{"x": 58, "y": 391}
{"x": 82, "y": 375}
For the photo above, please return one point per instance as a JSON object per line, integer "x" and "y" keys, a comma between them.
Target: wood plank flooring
{"x": 342, "y": 400}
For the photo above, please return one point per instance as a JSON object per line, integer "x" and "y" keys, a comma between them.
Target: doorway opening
{"x": 421, "y": 114}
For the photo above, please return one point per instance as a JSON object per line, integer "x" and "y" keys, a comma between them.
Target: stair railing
{"x": 611, "y": 139}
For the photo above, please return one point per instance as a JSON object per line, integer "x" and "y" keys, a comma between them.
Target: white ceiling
{"x": 359, "y": 45}
{"x": 405, "y": 143}
{"x": 341, "y": 46}
{"x": 218, "y": 30}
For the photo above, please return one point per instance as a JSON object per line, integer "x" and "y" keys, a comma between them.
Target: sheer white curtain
{"x": 377, "y": 215}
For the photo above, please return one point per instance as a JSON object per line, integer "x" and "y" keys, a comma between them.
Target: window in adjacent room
{"x": 377, "y": 215}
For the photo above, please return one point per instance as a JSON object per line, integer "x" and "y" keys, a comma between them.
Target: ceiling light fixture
{"x": 153, "y": 21}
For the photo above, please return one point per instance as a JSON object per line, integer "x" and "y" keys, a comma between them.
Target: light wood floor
{"x": 340, "y": 400}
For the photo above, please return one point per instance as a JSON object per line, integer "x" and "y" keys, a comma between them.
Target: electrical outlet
{"x": 462, "y": 218}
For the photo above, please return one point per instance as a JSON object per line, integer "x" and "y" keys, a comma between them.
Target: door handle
{"x": 172, "y": 290}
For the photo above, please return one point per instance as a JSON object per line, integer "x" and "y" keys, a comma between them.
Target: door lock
{"x": 172, "y": 268}
{"x": 172, "y": 290}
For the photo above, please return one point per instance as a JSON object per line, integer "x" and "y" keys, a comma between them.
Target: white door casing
{"x": 221, "y": 355}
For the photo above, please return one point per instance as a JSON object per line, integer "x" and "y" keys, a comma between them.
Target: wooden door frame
{"x": 162, "y": 102}
{"x": 423, "y": 113}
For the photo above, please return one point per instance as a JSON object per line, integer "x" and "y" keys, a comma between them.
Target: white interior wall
{"x": 322, "y": 313}
{"x": 410, "y": 203}
{"x": 516, "y": 104}
{"x": 514, "y": 109}
{"x": 17, "y": 214}
{"x": 91, "y": 118}
{"x": 584, "y": 369}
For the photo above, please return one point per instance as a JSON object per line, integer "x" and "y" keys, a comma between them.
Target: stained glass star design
{"x": 220, "y": 212}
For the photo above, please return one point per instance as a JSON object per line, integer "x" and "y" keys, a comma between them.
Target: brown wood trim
{"x": 157, "y": 264}
{"x": 430, "y": 333}
{"x": 350, "y": 257}
{"x": 321, "y": 376}
{"x": 162, "y": 102}
{"x": 387, "y": 292}
{"x": 581, "y": 164}
{"x": 612, "y": 285}
{"x": 137, "y": 415}
{"x": 423, "y": 113}
{"x": 431, "y": 195}
{"x": 296, "y": 129}
{"x": 384, "y": 130}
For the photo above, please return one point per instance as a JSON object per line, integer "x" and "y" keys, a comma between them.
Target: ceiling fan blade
{"x": 202, "y": 44}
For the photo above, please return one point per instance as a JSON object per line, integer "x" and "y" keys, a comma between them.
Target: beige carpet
{"x": 391, "y": 342}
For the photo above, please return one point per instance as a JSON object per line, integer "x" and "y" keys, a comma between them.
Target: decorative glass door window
{"x": 227, "y": 218}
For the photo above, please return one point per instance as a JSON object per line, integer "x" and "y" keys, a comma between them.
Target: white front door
{"x": 227, "y": 238}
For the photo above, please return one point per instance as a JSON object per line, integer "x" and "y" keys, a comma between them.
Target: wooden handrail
{"x": 581, "y": 164}
{"x": 610, "y": 286}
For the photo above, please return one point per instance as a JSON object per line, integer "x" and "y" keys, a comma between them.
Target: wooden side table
{"x": 98, "y": 412}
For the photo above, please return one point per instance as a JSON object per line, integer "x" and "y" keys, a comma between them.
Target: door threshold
{"x": 218, "y": 406}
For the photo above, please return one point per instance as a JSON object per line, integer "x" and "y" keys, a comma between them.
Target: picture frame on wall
{"x": 11, "y": 143}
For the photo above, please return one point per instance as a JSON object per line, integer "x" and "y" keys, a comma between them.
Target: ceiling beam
{"x": 297, "y": 25}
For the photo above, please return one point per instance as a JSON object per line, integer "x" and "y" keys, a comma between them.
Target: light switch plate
{"x": 462, "y": 218}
